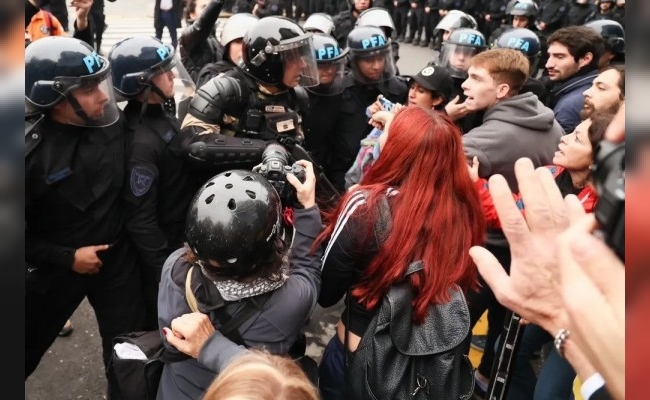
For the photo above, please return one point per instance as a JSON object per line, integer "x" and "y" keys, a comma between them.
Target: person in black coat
{"x": 198, "y": 44}
{"x": 158, "y": 194}
{"x": 76, "y": 245}
{"x": 168, "y": 13}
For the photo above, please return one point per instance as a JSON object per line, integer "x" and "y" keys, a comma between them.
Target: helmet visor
{"x": 90, "y": 99}
{"x": 369, "y": 67}
{"x": 330, "y": 75}
{"x": 456, "y": 58}
{"x": 298, "y": 62}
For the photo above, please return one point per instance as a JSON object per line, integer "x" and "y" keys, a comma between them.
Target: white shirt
{"x": 166, "y": 4}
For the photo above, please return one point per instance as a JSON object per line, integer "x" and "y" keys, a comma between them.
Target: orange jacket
{"x": 587, "y": 197}
{"x": 43, "y": 24}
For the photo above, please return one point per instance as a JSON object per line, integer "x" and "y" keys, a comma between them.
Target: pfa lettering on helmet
{"x": 327, "y": 52}
{"x": 163, "y": 52}
{"x": 517, "y": 43}
{"x": 521, "y": 6}
{"x": 471, "y": 39}
{"x": 373, "y": 41}
{"x": 93, "y": 62}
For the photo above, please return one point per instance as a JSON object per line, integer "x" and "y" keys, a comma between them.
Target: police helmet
{"x": 612, "y": 32}
{"x": 377, "y": 16}
{"x": 331, "y": 60}
{"x": 319, "y": 22}
{"x": 56, "y": 68}
{"x": 527, "y": 8}
{"x": 135, "y": 61}
{"x": 236, "y": 27}
{"x": 455, "y": 19}
{"x": 458, "y": 50}
{"x": 524, "y": 40}
{"x": 369, "y": 46}
{"x": 272, "y": 44}
{"x": 235, "y": 220}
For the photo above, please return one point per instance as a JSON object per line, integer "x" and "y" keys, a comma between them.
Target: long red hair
{"x": 436, "y": 216}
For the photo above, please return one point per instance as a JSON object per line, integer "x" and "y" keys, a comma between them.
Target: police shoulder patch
{"x": 142, "y": 178}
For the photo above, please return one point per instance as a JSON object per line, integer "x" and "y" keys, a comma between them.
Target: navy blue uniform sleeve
{"x": 40, "y": 253}
{"x": 142, "y": 205}
{"x": 341, "y": 254}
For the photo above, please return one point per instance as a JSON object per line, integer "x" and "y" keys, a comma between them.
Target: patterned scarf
{"x": 232, "y": 290}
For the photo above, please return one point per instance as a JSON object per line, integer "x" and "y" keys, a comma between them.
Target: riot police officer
{"x": 319, "y": 22}
{"x": 522, "y": 14}
{"x": 527, "y": 42}
{"x": 455, "y": 55}
{"x": 231, "y": 39}
{"x": 325, "y": 99}
{"x": 230, "y": 121}
{"x": 345, "y": 20}
{"x": 75, "y": 242}
{"x": 145, "y": 71}
{"x": 454, "y": 19}
{"x": 578, "y": 12}
{"x": 614, "y": 35}
{"x": 377, "y": 16}
{"x": 372, "y": 74}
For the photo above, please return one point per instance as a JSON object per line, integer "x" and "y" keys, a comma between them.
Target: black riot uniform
{"x": 325, "y": 100}
{"x": 74, "y": 177}
{"x": 367, "y": 44}
{"x": 231, "y": 121}
{"x": 345, "y": 21}
{"x": 234, "y": 29}
{"x": 158, "y": 192}
{"x": 578, "y": 12}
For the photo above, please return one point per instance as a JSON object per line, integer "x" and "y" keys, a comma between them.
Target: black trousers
{"x": 400, "y": 19}
{"x": 484, "y": 299}
{"x": 416, "y": 22}
{"x": 431, "y": 19}
{"x": 99, "y": 21}
{"x": 51, "y": 297}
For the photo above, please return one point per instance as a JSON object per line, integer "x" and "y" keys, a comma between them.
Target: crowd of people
{"x": 287, "y": 163}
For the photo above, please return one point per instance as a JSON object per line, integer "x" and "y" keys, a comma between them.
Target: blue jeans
{"x": 332, "y": 370}
{"x": 555, "y": 381}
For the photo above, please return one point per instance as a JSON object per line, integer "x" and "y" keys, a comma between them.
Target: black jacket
{"x": 74, "y": 178}
{"x": 198, "y": 44}
{"x": 352, "y": 124}
{"x": 157, "y": 194}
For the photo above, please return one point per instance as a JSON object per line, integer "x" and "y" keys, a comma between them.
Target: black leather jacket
{"x": 198, "y": 44}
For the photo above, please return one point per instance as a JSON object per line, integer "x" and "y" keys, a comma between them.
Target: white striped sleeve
{"x": 352, "y": 204}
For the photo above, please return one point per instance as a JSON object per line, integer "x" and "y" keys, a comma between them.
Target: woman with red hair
{"x": 434, "y": 215}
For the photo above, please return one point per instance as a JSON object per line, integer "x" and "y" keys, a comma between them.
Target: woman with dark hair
{"x": 435, "y": 216}
{"x": 571, "y": 170}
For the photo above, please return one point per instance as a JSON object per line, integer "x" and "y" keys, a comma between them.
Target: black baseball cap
{"x": 435, "y": 79}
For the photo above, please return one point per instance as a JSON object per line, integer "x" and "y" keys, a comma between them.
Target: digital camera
{"x": 275, "y": 167}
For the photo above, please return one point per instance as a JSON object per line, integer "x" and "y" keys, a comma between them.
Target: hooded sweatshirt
{"x": 520, "y": 126}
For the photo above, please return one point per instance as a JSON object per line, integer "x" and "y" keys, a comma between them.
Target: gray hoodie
{"x": 520, "y": 126}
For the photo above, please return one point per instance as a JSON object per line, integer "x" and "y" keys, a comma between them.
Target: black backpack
{"x": 397, "y": 359}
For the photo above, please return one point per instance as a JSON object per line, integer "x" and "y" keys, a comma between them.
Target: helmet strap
{"x": 79, "y": 110}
